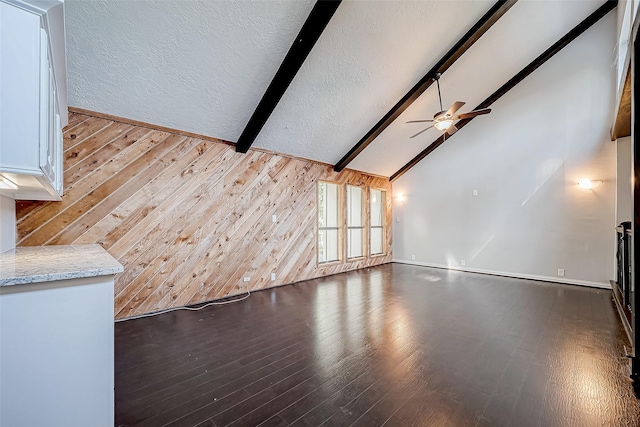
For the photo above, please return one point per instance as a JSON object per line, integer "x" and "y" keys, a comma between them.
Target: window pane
{"x": 354, "y": 206}
{"x": 328, "y": 217}
{"x": 327, "y": 204}
{"x": 327, "y": 245}
{"x": 331, "y": 207}
{"x": 355, "y": 243}
{"x": 377, "y": 201}
{"x": 376, "y": 241}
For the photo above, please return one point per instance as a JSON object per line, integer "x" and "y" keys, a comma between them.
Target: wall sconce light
{"x": 7, "y": 184}
{"x": 587, "y": 184}
{"x": 401, "y": 198}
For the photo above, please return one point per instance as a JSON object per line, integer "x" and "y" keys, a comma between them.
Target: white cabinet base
{"x": 56, "y": 353}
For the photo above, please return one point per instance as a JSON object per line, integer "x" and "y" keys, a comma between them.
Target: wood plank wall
{"x": 187, "y": 217}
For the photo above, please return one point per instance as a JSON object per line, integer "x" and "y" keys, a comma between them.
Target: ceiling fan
{"x": 443, "y": 120}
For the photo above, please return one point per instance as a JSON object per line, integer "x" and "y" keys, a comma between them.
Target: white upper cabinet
{"x": 33, "y": 102}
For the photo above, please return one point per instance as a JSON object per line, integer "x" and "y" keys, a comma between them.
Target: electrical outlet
{"x": 397, "y": 219}
{"x": 413, "y": 257}
{"x": 463, "y": 263}
{"x": 474, "y": 192}
{"x": 274, "y": 218}
{"x": 247, "y": 279}
{"x": 561, "y": 272}
{"x": 273, "y": 276}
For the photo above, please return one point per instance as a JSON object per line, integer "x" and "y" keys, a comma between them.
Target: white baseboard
{"x": 563, "y": 280}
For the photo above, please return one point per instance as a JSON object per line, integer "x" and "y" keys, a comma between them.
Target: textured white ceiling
{"x": 368, "y": 57}
{"x": 523, "y": 33}
{"x": 199, "y": 66}
{"x": 203, "y": 66}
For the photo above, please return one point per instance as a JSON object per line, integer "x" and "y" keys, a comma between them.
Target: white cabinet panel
{"x": 56, "y": 345}
{"x": 19, "y": 89}
{"x": 31, "y": 113}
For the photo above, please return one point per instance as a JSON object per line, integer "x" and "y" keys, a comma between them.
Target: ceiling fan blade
{"x": 451, "y": 130}
{"x": 471, "y": 114}
{"x": 455, "y": 107}
{"x": 423, "y": 130}
{"x": 419, "y": 121}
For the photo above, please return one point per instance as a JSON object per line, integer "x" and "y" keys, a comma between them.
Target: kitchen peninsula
{"x": 56, "y": 336}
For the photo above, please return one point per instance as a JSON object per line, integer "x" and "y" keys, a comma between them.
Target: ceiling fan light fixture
{"x": 444, "y": 124}
{"x": 443, "y": 120}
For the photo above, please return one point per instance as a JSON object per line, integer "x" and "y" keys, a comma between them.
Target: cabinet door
{"x": 30, "y": 123}
{"x": 19, "y": 89}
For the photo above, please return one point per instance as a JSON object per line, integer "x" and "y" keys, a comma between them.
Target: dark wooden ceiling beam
{"x": 313, "y": 27}
{"x": 608, "y": 6}
{"x": 500, "y": 8}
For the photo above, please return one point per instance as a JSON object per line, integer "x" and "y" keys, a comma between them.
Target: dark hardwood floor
{"x": 395, "y": 345}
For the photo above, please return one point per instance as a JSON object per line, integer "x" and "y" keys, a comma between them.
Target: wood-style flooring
{"x": 393, "y": 345}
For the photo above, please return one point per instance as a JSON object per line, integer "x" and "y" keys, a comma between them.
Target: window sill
{"x": 328, "y": 263}
{"x": 378, "y": 255}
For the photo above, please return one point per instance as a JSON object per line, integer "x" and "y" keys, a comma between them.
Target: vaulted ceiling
{"x": 203, "y": 66}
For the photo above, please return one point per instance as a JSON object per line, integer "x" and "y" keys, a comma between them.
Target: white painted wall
{"x": 623, "y": 33}
{"x": 624, "y": 208}
{"x": 530, "y": 217}
{"x": 7, "y": 223}
{"x": 620, "y": 11}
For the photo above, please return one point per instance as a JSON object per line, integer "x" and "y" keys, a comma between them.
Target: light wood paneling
{"x": 622, "y": 117}
{"x": 188, "y": 218}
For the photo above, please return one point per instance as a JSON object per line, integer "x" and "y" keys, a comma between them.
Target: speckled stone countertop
{"x": 34, "y": 264}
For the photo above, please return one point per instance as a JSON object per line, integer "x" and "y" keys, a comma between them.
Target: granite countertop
{"x": 32, "y": 264}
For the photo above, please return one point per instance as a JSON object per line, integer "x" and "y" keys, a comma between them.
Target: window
{"x": 355, "y": 228}
{"x": 348, "y": 228}
{"x": 328, "y": 222}
{"x": 377, "y": 198}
